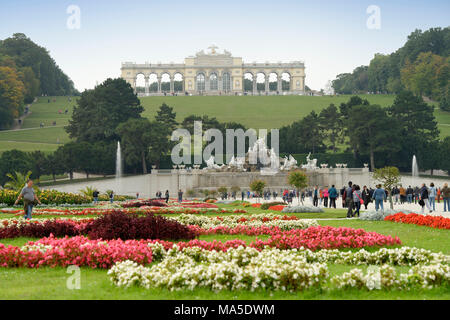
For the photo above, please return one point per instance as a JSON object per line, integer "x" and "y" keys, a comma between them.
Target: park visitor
{"x": 423, "y": 196}
{"x": 357, "y": 200}
{"x": 180, "y": 196}
{"x": 349, "y": 199}
{"x": 316, "y": 197}
{"x": 409, "y": 194}
{"x": 326, "y": 195}
{"x": 29, "y": 198}
{"x": 446, "y": 197}
{"x": 95, "y": 196}
{"x": 379, "y": 195}
{"x": 111, "y": 197}
{"x": 432, "y": 196}
{"x": 333, "y": 195}
{"x": 167, "y": 196}
{"x": 366, "y": 196}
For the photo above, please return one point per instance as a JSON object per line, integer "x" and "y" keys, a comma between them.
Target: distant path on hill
{"x": 27, "y": 129}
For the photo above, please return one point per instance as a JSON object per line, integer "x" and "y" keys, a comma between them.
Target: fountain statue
{"x": 310, "y": 164}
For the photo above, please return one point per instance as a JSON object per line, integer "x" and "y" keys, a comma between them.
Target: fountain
{"x": 118, "y": 168}
{"x": 415, "y": 171}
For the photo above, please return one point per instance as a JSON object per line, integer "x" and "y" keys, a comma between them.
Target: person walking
{"x": 379, "y": 195}
{"x": 180, "y": 196}
{"x": 366, "y": 196}
{"x": 446, "y": 197}
{"x": 95, "y": 196}
{"x": 29, "y": 198}
{"x": 111, "y": 197}
{"x": 167, "y": 196}
{"x": 423, "y": 196}
{"x": 349, "y": 199}
{"x": 342, "y": 192}
{"x": 316, "y": 197}
{"x": 409, "y": 194}
{"x": 357, "y": 200}
{"x": 333, "y": 195}
{"x": 402, "y": 195}
{"x": 326, "y": 195}
{"x": 432, "y": 196}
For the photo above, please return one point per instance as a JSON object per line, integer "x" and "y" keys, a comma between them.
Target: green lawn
{"x": 252, "y": 111}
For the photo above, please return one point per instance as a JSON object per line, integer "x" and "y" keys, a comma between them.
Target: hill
{"x": 252, "y": 111}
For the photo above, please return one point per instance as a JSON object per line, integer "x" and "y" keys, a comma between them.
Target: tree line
{"x": 422, "y": 66}
{"x": 26, "y": 71}
{"x": 384, "y": 136}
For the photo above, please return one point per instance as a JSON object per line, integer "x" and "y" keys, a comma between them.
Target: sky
{"x": 330, "y": 36}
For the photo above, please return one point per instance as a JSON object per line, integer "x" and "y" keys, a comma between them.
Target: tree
{"x": 166, "y": 116}
{"x": 371, "y": 131}
{"x": 53, "y": 166}
{"x": 331, "y": 123}
{"x": 299, "y": 180}
{"x": 100, "y": 111}
{"x": 11, "y": 96}
{"x": 444, "y": 152}
{"x": 310, "y": 133}
{"x": 135, "y": 136}
{"x": 417, "y": 124}
{"x": 67, "y": 156}
{"x": 389, "y": 177}
{"x": 258, "y": 187}
{"x": 38, "y": 162}
{"x": 12, "y": 161}
{"x": 18, "y": 181}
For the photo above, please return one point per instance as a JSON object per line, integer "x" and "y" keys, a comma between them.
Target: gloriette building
{"x": 215, "y": 73}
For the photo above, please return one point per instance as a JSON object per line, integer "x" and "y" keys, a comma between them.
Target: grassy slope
{"x": 49, "y": 283}
{"x": 252, "y": 111}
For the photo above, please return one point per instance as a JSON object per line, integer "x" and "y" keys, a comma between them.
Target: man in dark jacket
{"x": 349, "y": 199}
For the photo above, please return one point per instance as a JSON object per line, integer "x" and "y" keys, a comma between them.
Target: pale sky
{"x": 331, "y": 36}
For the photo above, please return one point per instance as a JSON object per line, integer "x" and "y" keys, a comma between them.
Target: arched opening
{"x": 286, "y": 81}
{"x": 140, "y": 84}
{"x": 200, "y": 82}
{"x": 248, "y": 82}
{"x": 226, "y": 82}
{"x": 153, "y": 83}
{"x": 260, "y": 82}
{"x": 213, "y": 82}
{"x": 178, "y": 82}
{"x": 273, "y": 82}
{"x": 165, "y": 82}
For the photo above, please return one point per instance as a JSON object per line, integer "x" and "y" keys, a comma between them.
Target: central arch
{"x": 226, "y": 82}
{"x": 200, "y": 82}
{"x": 213, "y": 82}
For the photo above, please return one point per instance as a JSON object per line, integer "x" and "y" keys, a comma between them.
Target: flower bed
{"x": 421, "y": 220}
{"x": 78, "y": 251}
{"x": 243, "y": 268}
{"x": 46, "y": 196}
{"x": 254, "y": 220}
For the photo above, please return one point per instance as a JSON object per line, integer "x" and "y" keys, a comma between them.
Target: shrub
{"x": 119, "y": 225}
{"x": 58, "y": 228}
{"x": 144, "y": 203}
